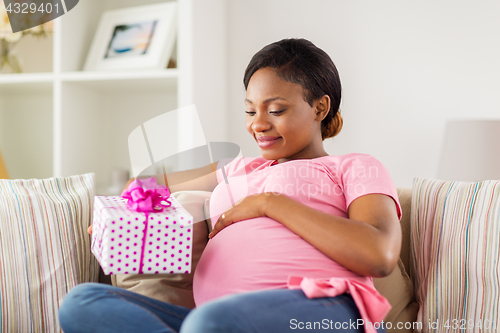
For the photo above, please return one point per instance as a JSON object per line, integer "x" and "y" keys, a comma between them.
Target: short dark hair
{"x": 300, "y": 61}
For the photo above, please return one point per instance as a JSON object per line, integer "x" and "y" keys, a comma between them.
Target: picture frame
{"x": 134, "y": 38}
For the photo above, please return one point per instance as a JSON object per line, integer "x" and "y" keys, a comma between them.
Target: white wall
{"x": 406, "y": 67}
{"x": 209, "y": 55}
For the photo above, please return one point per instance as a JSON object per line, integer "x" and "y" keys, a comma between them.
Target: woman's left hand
{"x": 247, "y": 208}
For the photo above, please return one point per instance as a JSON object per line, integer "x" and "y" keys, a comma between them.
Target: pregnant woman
{"x": 307, "y": 231}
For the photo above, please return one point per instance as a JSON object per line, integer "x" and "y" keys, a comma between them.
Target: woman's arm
{"x": 199, "y": 179}
{"x": 367, "y": 243}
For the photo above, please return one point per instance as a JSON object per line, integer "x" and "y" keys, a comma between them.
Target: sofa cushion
{"x": 404, "y": 196}
{"x": 44, "y": 248}
{"x": 455, "y": 235}
{"x": 173, "y": 288}
{"x": 398, "y": 289}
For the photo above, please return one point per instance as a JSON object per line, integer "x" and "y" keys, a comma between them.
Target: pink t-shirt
{"x": 261, "y": 253}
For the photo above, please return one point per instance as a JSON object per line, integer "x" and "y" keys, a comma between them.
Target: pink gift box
{"x": 121, "y": 245}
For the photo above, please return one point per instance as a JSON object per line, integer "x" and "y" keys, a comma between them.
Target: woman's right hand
{"x": 89, "y": 230}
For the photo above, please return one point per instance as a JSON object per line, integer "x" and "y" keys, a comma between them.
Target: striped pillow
{"x": 456, "y": 256}
{"x": 44, "y": 248}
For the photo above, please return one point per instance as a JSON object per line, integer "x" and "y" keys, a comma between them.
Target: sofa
{"x": 446, "y": 279}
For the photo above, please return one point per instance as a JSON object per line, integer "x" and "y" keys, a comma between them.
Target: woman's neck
{"x": 305, "y": 156}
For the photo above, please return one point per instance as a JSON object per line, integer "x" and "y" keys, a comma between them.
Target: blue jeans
{"x": 94, "y": 307}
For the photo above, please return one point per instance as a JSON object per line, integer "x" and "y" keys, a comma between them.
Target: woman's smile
{"x": 267, "y": 141}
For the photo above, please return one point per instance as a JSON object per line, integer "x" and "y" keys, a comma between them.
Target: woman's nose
{"x": 260, "y": 122}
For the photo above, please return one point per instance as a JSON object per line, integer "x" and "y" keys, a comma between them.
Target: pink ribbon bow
{"x": 372, "y": 306}
{"x": 145, "y": 195}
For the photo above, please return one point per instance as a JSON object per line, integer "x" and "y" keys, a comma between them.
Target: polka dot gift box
{"x": 125, "y": 242}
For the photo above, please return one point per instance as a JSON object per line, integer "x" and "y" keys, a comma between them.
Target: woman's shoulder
{"x": 351, "y": 164}
{"x": 362, "y": 174}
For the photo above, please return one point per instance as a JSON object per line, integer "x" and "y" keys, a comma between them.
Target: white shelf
{"x": 69, "y": 121}
{"x": 121, "y": 75}
{"x": 26, "y": 78}
{"x": 26, "y": 83}
{"x": 140, "y": 81}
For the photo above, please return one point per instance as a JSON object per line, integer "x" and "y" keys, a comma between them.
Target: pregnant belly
{"x": 258, "y": 254}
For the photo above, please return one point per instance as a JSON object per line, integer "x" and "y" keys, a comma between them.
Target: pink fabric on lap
{"x": 372, "y": 306}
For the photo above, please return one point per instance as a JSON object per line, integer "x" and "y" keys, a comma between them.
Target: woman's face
{"x": 282, "y": 123}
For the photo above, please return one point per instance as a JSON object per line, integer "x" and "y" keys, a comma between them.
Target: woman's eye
{"x": 276, "y": 112}
{"x": 252, "y": 113}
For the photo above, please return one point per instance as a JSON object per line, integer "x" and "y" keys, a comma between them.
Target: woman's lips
{"x": 267, "y": 141}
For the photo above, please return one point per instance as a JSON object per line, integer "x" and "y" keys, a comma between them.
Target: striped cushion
{"x": 455, "y": 253}
{"x": 44, "y": 248}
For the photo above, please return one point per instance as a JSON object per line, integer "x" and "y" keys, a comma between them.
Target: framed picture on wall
{"x": 134, "y": 38}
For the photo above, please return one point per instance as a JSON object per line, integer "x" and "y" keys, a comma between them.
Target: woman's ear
{"x": 322, "y": 107}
